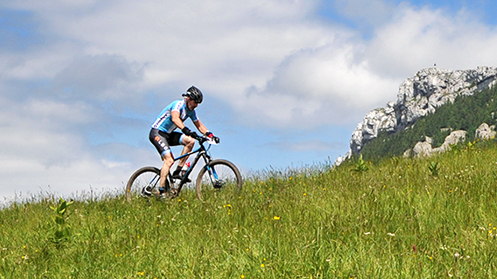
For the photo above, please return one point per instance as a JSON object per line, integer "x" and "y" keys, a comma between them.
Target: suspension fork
{"x": 211, "y": 171}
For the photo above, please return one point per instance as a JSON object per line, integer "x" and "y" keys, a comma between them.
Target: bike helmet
{"x": 195, "y": 94}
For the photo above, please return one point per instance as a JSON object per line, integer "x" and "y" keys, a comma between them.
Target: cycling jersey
{"x": 165, "y": 123}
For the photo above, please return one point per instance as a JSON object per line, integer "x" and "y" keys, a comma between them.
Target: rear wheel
{"x": 219, "y": 176}
{"x": 146, "y": 176}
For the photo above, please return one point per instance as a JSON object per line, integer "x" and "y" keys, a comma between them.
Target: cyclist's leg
{"x": 161, "y": 141}
{"x": 188, "y": 143}
{"x": 168, "y": 161}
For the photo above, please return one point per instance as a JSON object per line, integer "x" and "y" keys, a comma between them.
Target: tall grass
{"x": 393, "y": 219}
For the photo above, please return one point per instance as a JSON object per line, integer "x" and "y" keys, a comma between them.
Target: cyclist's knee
{"x": 189, "y": 142}
{"x": 168, "y": 158}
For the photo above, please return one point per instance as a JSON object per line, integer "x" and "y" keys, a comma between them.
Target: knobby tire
{"x": 228, "y": 176}
{"x": 140, "y": 179}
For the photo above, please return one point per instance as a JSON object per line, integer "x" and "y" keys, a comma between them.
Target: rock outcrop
{"x": 485, "y": 132}
{"x": 425, "y": 148}
{"x": 417, "y": 97}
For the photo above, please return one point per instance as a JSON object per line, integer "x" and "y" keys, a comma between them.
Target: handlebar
{"x": 202, "y": 139}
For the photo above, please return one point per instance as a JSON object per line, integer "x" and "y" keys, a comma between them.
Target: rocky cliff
{"x": 418, "y": 96}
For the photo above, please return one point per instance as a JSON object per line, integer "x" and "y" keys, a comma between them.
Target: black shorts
{"x": 162, "y": 140}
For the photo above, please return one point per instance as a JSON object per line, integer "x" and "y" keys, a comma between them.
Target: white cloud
{"x": 419, "y": 38}
{"x": 366, "y": 12}
{"x": 45, "y": 151}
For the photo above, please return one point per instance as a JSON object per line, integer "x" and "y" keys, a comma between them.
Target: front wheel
{"x": 218, "y": 176}
{"x": 146, "y": 176}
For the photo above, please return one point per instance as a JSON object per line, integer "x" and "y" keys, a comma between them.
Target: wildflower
{"x": 242, "y": 276}
{"x": 305, "y": 194}
{"x": 262, "y": 265}
{"x": 277, "y": 217}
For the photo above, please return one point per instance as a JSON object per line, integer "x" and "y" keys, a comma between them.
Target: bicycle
{"x": 216, "y": 175}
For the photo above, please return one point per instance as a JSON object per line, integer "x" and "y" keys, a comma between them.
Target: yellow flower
{"x": 262, "y": 265}
{"x": 277, "y": 217}
{"x": 242, "y": 276}
{"x": 305, "y": 194}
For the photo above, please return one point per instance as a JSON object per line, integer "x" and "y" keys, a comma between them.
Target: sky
{"x": 285, "y": 82}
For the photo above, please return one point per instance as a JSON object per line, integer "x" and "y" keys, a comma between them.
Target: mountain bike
{"x": 215, "y": 176}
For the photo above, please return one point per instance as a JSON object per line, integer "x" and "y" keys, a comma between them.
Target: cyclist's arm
{"x": 201, "y": 128}
{"x": 177, "y": 120}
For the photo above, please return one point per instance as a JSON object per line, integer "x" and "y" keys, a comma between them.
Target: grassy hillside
{"x": 403, "y": 218}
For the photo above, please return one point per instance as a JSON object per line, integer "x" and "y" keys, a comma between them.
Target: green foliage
{"x": 433, "y": 167}
{"x": 465, "y": 113}
{"x": 395, "y": 220}
{"x": 360, "y": 166}
{"x": 61, "y": 230}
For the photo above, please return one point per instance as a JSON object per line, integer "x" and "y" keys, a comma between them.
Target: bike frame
{"x": 202, "y": 153}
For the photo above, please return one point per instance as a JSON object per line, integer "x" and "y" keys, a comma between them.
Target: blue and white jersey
{"x": 164, "y": 122}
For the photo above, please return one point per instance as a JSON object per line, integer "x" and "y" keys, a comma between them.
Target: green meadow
{"x": 398, "y": 218}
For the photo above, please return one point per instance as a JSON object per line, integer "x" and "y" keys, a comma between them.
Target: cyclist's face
{"x": 191, "y": 104}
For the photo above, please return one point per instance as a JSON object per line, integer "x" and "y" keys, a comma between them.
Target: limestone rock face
{"x": 485, "y": 132}
{"x": 425, "y": 148}
{"x": 417, "y": 97}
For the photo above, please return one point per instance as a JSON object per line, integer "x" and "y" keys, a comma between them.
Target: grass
{"x": 393, "y": 219}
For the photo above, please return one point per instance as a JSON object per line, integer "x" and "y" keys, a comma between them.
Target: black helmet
{"x": 195, "y": 94}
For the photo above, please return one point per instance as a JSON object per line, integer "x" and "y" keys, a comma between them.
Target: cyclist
{"x": 162, "y": 134}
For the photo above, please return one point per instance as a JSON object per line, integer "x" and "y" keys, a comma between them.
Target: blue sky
{"x": 285, "y": 82}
